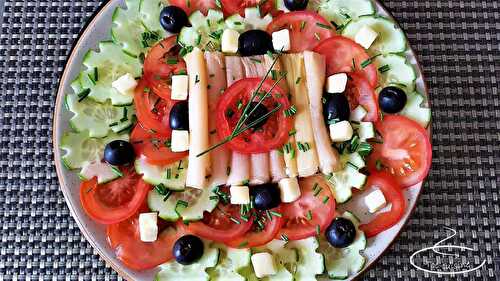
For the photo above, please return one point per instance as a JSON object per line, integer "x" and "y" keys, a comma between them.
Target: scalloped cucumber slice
{"x": 172, "y": 176}
{"x": 285, "y": 260}
{"x": 310, "y": 263}
{"x": 342, "y": 11}
{"x": 415, "y": 110}
{"x": 349, "y": 177}
{"x": 391, "y": 38}
{"x": 205, "y": 31}
{"x": 394, "y": 69}
{"x": 342, "y": 262}
{"x": 104, "y": 67}
{"x": 103, "y": 171}
{"x": 252, "y": 20}
{"x": 129, "y": 25}
{"x": 231, "y": 262}
{"x": 174, "y": 271}
{"x": 81, "y": 149}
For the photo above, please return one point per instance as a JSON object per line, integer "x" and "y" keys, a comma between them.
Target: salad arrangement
{"x": 217, "y": 139}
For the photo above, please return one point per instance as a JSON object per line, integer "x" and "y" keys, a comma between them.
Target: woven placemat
{"x": 458, "y": 46}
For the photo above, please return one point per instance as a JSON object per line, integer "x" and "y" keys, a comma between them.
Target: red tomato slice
{"x": 161, "y": 63}
{"x": 218, "y": 225}
{"x": 406, "y": 151}
{"x": 340, "y": 52}
{"x": 114, "y": 201}
{"x": 393, "y": 194}
{"x": 273, "y": 134}
{"x": 360, "y": 92}
{"x": 255, "y": 237}
{"x": 307, "y": 29}
{"x": 152, "y": 111}
{"x": 231, "y": 7}
{"x": 302, "y": 217}
{"x": 190, "y": 6}
{"x": 125, "y": 239}
{"x": 152, "y": 146}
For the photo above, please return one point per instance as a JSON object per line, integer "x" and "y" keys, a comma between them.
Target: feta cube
{"x": 281, "y": 40}
{"x": 289, "y": 189}
{"x": 125, "y": 84}
{"x": 240, "y": 194}
{"x": 336, "y": 83}
{"x": 180, "y": 84}
{"x": 341, "y": 131}
{"x": 229, "y": 41}
{"x": 263, "y": 264}
{"x": 365, "y": 36}
{"x": 358, "y": 114}
{"x": 375, "y": 201}
{"x": 366, "y": 131}
{"x": 180, "y": 140}
{"x": 148, "y": 228}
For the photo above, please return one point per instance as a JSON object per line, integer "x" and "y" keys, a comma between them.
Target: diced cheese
{"x": 358, "y": 114}
{"x": 375, "y": 201}
{"x": 229, "y": 41}
{"x": 148, "y": 228}
{"x": 365, "y": 36}
{"x": 125, "y": 84}
{"x": 179, "y": 87}
{"x": 341, "y": 131}
{"x": 240, "y": 194}
{"x": 366, "y": 130}
{"x": 263, "y": 264}
{"x": 254, "y": 20}
{"x": 180, "y": 140}
{"x": 281, "y": 40}
{"x": 336, "y": 83}
{"x": 289, "y": 189}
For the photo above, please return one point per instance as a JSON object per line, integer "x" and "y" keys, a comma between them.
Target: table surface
{"x": 458, "y": 45}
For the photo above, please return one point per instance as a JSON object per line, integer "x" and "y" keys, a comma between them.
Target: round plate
{"x": 98, "y": 29}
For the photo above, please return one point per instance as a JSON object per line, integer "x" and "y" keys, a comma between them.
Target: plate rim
{"x": 58, "y": 161}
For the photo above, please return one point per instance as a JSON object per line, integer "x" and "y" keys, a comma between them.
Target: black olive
{"x": 173, "y": 18}
{"x": 266, "y": 196}
{"x": 336, "y": 107}
{"x": 255, "y": 42}
{"x": 296, "y": 5}
{"x": 260, "y": 110}
{"x": 341, "y": 232}
{"x": 119, "y": 152}
{"x": 179, "y": 117}
{"x": 392, "y": 99}
{"x": 188, "y": 249}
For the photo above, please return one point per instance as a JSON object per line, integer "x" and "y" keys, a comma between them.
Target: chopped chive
{"x": 91, "y": 79}
{"x": 179, "y": 167}
{"x": 303, "y": 146}
{"x": 292, "y": 132}
{"x": 384, "y": 68}
{"x": 334, "y": 25}
{"x": 325, "y": 199}
{"x": 290, "y": 111}
{"x": 352, "y": 165}
{"x": 316, "y": 35}
{"x": 216, "y": 34}
{"x": 323, "y": 25}
{"x": 317, "y": 191}
{"x": 318, "y": 230}
{"x": 243, "y": 244}
{"x": 124, "y": 117}
{"x": 284, "y": 237}
{"x": 244, "y": 218}
{"x": 274, "y": 74}
{"x": 172, "y": 60}
{"x": 182, "y": 72}
{"x": 354, "y": 143}
{"x": 309, "y": 215}
{"x": 315, "y": 186}
{"x": 113, "y": 124}
{"x": 269, "y": 215}
{"x": 96, "y": 74}
{"x": 239, "y": 104}
{"x": 196, "y": 79}
{"x": 255, "y": 60}
{"x": 83, "y": 94}
{"x": 214, "y": 197}
{"x": 245, "y": 182}
{"x": 379, "y": 165}
{"x": 237, "y": 23}
{"x": 146, "y": 90}
{"x": 270, "y": 54}
{"x": 365, "y": 149}
{"x": 302, "y": 25}
{"x": 333, "y": 121}
{"x": 298, "y": 80}
{"x": 218, "y": 4}
{"x": 346, "y": 16}
{"x": 182, "y": 203}
{"x": 168, "y": 143}
{"x": 234, "y": 220}
{"x": 353, "y": 65}
{"x": 168, "y": 174}
{"x": 117, "y": 171}
{"x": 276, "y": 214}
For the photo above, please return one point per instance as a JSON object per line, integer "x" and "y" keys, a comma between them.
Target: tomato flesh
{"x": 231, "y": 7}
{"x": 190, "y": 6}
{"x": 359, "y": 92}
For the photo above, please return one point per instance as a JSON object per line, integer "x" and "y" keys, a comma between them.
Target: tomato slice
{"x": 231, "y": 7}
{"x": 114, "y": 201}
{"x": 360, "y": 92}
{"x": 151, "y": 110}
{"x": 273, "y": 134}
{"x": 161, "y": 63}
{"x": 307, "y": 29}
{"x": 190, "y": 6}
{"x": 340, "y": 52}
{"x": 406, "y": 151}
{"x": 393, "y": 194}
{"x": 302, "y": 217}
{"x": 153, "y": 146}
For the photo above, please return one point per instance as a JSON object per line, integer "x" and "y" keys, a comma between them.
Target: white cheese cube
{"x": 240, "y": 194}
{"x": 148, "y": 228}
{"x": 358, "y": 114}
{"x": 341, "y": 131}
{"x": 263, "y": 264}
{"x": 365, "y": 36}
{"x": 229, "y": 41}
{"x": 125, "y": 84}
{"x": 336, "y": 83}
{"x": 375, "y": 201}
{"x": 180, "y": 140}
{"x": 289, "y": 189}
{"x": 366, "y": 131}
{"x": 180, "y": 86}
{"x": 281, "y": 40}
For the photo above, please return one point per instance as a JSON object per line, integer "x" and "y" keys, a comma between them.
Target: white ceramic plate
{"x": 98, "y": 29}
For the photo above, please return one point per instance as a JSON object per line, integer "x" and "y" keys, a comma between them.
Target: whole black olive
{"x": 266, "y": 196}
{"x": 119, "y": 152}
{"x": 179, "y": 116}
{"x": 296, "y": 5}
{"x": 259, "y": 111}
{"x": 392, "y": 99}
{"x": 336, "y": 107}
{"x": 188, "y": 249}
{"x": 341, "y": 232}
{"x": 255, "y": 42}
{"x": 173, "y": 18}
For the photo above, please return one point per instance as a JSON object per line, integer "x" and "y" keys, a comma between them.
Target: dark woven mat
{"x": 458, "y": 44}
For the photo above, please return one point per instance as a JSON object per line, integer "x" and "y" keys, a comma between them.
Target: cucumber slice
{"x": 231, "y": 262}
{"x": 341, "y": 11}
{"x": 172, "y": 176}
{"x": 81, "y": 148}
{"x": 349, "y": 177}
{"x": 131, "y": 24}
{"x": 252, "y": 20}
{"x": 98, "y": 119}
{"x": 342, "y": 262}
{"x": 415, "y": 110}
{"x": 103, "y": 171}
{"x": 391, "y": 38}
{"x": 236, "y": 22}
{"x": 198, "y": 201}
{"x": 205, "y": 31}
{"x": 174, "y": 271}
{"x": 310, "y": 262}
{"x": 394, "y": 69}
